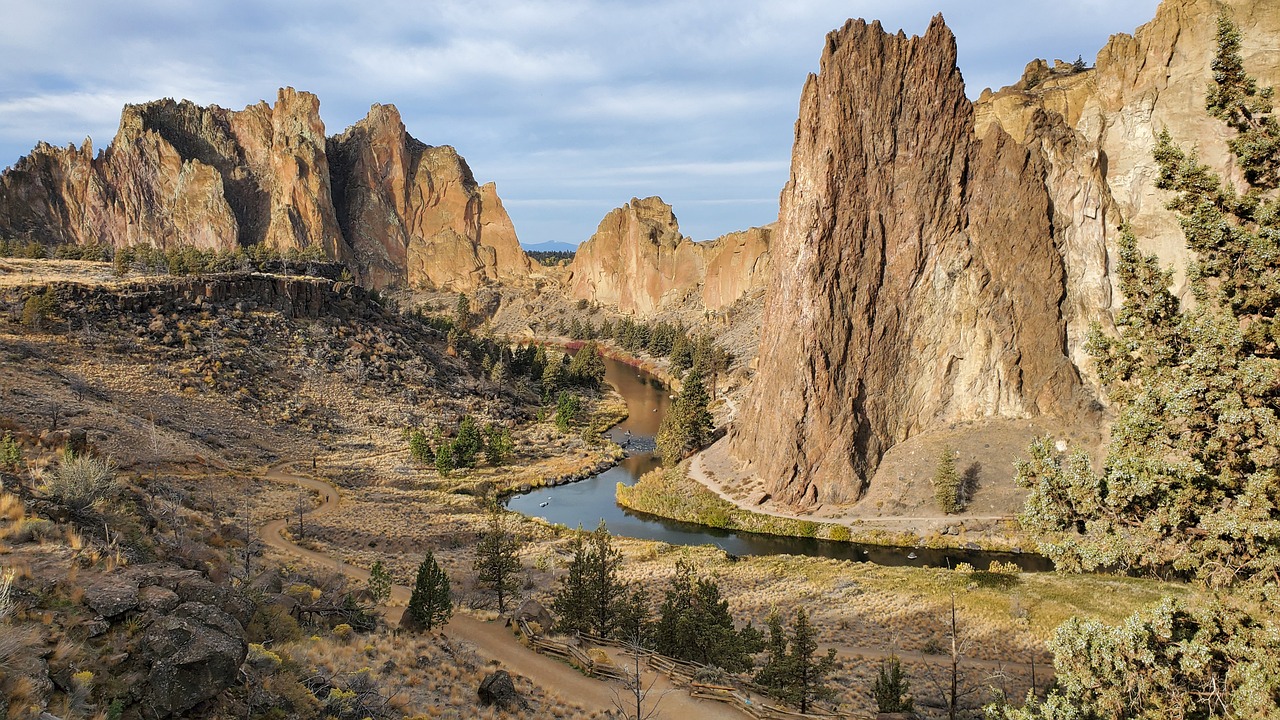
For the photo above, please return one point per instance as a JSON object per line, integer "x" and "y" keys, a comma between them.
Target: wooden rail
{"x": 679, "y": 671}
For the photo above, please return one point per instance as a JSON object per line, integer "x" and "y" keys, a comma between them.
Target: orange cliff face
{"x": 638, "y": 262}
{"x": 916, "y": 276}
{"x": 398, "y": 212}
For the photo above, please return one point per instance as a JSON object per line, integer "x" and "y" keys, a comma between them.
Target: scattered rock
{"x": 194, "y": 654}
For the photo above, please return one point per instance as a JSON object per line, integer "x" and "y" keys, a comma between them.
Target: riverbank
{"x": 696, "y": 493}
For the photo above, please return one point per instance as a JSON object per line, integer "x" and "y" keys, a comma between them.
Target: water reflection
{"x": 589, "y": 501}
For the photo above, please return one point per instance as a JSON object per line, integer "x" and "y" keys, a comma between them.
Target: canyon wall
{"x": 940, "y": 263}
{"x": 917, "y": 279}
{"x": 638, "y": 262}
{"x": 398, "y": 212}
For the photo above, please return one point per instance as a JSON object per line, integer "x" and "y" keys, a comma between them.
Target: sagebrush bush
{"x": 81, "y": 480}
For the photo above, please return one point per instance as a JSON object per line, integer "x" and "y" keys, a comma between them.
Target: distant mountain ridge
{"x": 549, "y": 246}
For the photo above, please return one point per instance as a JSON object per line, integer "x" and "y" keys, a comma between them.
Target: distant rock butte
{"x": 397, "y": 211}
{"x": 917, "y": 279}
{"x": 638, "y": 261}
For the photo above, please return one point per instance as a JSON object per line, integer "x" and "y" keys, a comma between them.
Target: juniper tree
{"x": 379, "y": 583}
{"x": 891, "y": 688}
{"x": 497, "y": 562}
{"x": 1191, "y": 481}
{"x": 587, "y": 368}
{"x": 430, "y": 605}
{"x": 695, "y": 624}
{"x": 468, "y": 444}
{"x": 947, "y": 485}
{"x": 419, "y": 448}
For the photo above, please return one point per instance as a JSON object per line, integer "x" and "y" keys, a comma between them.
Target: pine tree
{"x": 468, "y": 444}
{"x": 498, "y": 445}
{"x": 591, "y": 595}
{"x": 553, "y": 377}
{"x": 419, "y": 448}
{"x": 688, "y": 422}
{"x": 794, "y": 673}
{"x": 497, "y": 562}
{"x": 891, "y": 688}
{"x": 946, "y": 482}
{"x": 379, "y": 583}
{"x": 694, "y": 624}
{"x": 587, "y": 368}
{"x": 462, "y": 313}
{"x": 430, "y": 605}
{"x": 10, "y": 453}
{"x": 444, "y": 459}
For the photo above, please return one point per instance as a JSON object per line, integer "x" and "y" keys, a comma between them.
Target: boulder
{"x": 154, "y": 598}
{"x": 497, "y": 690}
{"x": 193, "y": 654}
{"x": 111, "y": 596}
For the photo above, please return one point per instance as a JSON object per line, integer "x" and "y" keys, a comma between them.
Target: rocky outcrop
{"x": 917, "y": 279}
{"x": 638, "y": 261}
{"x": 414, "y": 213}
{"x": 398, "y": 212}
{"x": 1151, "y": 80}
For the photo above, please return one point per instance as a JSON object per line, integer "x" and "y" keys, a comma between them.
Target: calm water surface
{"x": 589, "y": 501}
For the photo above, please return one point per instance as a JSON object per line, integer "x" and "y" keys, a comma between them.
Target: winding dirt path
{"x": 490, "y": 639}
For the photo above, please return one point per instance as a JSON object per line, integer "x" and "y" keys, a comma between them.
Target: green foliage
{"x": 419, "y": 448}
{"x": 498, "y": 445}
{"x": 10, "y": 453}
{"x": 462, "y": 313}
{"x": 568, "y": 406}
{"x": 891, "y": 688}
{"x": 444, "y": 459}
{"x": 554, "y": 376}
{"x": 79, "y": 481}
{"x": 591, "y": 596}
{"x": 587, "y": 368}
{"x": 379, "y": 584}
{"x": 793, "y": 671}
{"x": 430, "y": 605}
{"x": 1191, "y": 481}
{"x": 1168, "y": 661}
{"x": 497, "y": 562}
{"x": 694, "y": 624}
{"x": 688, "y": 424}
{"x": 947, "y": 484}
{"x": 272, "y": 623}
{"x": 468, "y": 444}
{"x": 40, "y": 311}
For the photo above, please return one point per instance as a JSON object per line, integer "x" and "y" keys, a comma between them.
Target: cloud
{"x": 571, "y": 106}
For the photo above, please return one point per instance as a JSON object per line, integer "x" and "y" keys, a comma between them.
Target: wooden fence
{"x": 681, "y": 672}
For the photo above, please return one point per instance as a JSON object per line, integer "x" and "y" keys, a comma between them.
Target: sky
{"x": 572, "y": 107}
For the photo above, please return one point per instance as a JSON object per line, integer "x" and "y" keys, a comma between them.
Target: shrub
{"x": 81, "y": 480}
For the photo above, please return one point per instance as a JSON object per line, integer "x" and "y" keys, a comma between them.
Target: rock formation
{"x": 395, "y": 210}
{"x": 1151, "y": 80}
{"x": 917, "y": 279}
{"x": 638, "y": 261}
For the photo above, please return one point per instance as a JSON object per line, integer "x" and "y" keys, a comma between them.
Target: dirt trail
{"x": 490, "y": 639}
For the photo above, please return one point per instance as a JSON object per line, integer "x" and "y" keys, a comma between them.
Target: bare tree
{"x": 301, "y": 505}
{"x": 950, "y": 689}
{"x": 630, "y": 700}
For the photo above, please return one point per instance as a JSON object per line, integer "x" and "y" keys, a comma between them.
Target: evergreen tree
{"x": 1191, "y": 481}
{"x": 379, "y": 583}
{"x": 567, "y": 407}
{"x": 419, "y": 448}
{"x": 891, "y": 688}
{"x": 554, "y": 377}
{"x": 468, "y": 444}
{"x": 430, "y": 605}
{"x": 587, "y": 368}
{"x": 946, "y": 482}
{"x": 794, "y": 673}
{"x": 694, "y": 624}
{"x": 591, "y": 595}
{"x": 497, "y": 562}
{"x": 444, "y": 459}
{"x": 462, "y": 313}
{"x": 498, "y": 445}
{"x": 10, "y": 453}
{"x": 688, "y": 423}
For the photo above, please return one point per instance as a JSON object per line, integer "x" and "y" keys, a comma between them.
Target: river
{"x": 589, "y": 501}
